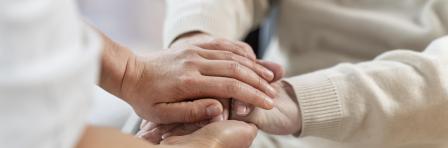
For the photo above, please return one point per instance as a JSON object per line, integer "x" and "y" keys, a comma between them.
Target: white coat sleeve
{"x": 48, "y": 66}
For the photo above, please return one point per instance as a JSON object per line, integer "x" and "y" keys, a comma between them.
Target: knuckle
{"x": 233, "y": 86}
{"x": 248, "y": 51}
{"x": 235, "y": 68}
{"x": 190, "y": 63}
{"x": 260, "y": 81}
{"x": 191, "y": 115}
{"x": 252, "y": 65}
{"x": 228, "y": 54}
{"x": 190, "y": 50}
{"x": 232, "y": 56}
{"x": 184, "y": 86}
{"x": 187, "y": 80}
{"x": 221, "y": 44}
{"x": 219, "y": 41}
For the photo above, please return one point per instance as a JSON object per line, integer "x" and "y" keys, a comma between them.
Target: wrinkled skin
{"x": 283, "y": 119}
{"x": 164, "y": 86}
{"x": 208, "y": 42}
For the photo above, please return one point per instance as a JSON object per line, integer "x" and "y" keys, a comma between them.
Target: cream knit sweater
{"x": 378, "y": 96}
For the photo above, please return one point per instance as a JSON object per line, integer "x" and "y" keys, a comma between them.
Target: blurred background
{"x": 137, "y": 24}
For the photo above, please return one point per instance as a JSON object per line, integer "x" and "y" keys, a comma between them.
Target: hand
{"x": 162, "y": 82}
{"x": 155, "y": 132}
{"x": 206, "y": 41}
{"x": 225, "y": 134}
{"x": 164, "y": 87}
{"x": 283, "y": 119}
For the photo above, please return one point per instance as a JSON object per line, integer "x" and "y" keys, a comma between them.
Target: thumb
{"x": 189, "y": 111}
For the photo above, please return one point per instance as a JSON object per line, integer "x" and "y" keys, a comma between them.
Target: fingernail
{"x": 269, "y": 101}
{"x": 241, "y": 110}
{"x": 272, "y": 92}
{"x": 268, "y": 74}
{"x": 213, "y": 110}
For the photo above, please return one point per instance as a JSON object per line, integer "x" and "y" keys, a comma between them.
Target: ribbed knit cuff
{"x": 319, "y": 103}
{"x": 197, "y": 21}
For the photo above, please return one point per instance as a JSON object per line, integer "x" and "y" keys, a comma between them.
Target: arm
{"x": 230, "y": 19}
{"x": 400, "y": 97}
{"x": 224, "y": 134}
{"x": 95, "y": 137}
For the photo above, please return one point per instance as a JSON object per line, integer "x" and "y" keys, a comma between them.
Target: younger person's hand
{"x": 225, "y": 134}
{"x": 165, "y": 87}
{"x": 176, "y": 85}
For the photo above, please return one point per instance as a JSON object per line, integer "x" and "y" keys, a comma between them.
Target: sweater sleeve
{"x": 399, "y": 97}
{"x": 230, "y": 19}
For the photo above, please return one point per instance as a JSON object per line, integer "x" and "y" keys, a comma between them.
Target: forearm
{"x": 398, "y": 97}
{"x": 97, "y": 137}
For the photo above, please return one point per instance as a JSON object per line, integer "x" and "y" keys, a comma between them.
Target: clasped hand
{"x": 283, "y": 117}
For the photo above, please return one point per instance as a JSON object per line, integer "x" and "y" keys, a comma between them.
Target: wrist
{"x": 288, "y": 88}
{"x": 131, "y": 76}
{"x": 320, "y": 104}
{"x": 115, "y": 61}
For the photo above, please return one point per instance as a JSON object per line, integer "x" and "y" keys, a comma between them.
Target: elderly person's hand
{"x": 165, "y": 87}
{"x": 283, "y": 119}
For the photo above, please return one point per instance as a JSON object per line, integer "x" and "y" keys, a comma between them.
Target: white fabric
{"x": 48, "y": 67}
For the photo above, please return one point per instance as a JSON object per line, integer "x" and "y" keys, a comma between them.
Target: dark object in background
{"x": 253, "y": 39}
{"x": 259, "y": 38}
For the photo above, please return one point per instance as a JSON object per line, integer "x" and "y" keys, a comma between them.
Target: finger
{"x": 155, "y": 135}
{"x": 146, "y": 125}
{"x": 262, "y": 71}
{"x": 225, "y": 88}
{"x": 231, "y": 133}
{"x": 190, "y": 111}
{"x": 241, "y": 108}
{"x": 228, "y": 133}
{"x": 246, "y": 47}
{"x": 227, "y": 45}
{"x": 274, "y": 67}
{"x": 249, "y": 118}
{"x": 181, "y": 130}
{"x": 226, "y": 111}
{"x": 235, "y": 70}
